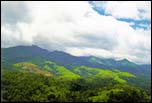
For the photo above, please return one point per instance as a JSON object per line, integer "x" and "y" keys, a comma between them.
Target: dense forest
{"x": 26, "y": 86}
{"x": 20, "y": 86}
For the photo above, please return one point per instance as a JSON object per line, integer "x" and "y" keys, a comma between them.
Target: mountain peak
{"x": 24, "y": 46}
{"x": 34, "y": 46}
{"x": 124, "y": 60}
{"x": 61, "y": 53}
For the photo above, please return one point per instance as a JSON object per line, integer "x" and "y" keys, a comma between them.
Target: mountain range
{"x": 42, "y": 75}
{"x": 37, "y": 55}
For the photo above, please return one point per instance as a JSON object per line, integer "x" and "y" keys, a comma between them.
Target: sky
{"x": 108, "y": 29}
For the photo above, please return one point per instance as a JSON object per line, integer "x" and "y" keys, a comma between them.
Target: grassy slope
{"x": 101, "y": 73}
{"x": 30, "y": 67}
{"x": 60, "y": 71}
{"x": 50, "y": 67}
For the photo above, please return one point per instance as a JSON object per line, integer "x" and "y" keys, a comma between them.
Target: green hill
{"x": 30, "y": 67}
{"x": 32, "y": 74}
{"x": 102, "y": 73}
{"x": 60, "y": 71}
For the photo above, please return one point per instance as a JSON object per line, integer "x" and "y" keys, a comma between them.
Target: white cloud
{"x": 13, "y": 12}
{"x": 88, "y": 51}
{"x": 76, "y": 28}
{"x": 126, "y": 9}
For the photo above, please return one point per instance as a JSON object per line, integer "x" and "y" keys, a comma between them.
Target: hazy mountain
{"x": 36, "y": 54}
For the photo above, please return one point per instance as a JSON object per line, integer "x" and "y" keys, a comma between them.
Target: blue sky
{"x": 137, "y": 24}
{"x": 109, "y": 29}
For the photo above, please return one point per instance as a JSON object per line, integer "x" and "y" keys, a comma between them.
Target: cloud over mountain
{"x": 75, "y": 27}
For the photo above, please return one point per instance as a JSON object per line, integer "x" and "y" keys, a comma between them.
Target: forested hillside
{"x": 35, "y": 76}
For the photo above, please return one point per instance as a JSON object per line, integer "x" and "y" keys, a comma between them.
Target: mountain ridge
{"x": 26, "y": 53}
{"x": 33, "y": 67}
{"x": 63, "y": 52}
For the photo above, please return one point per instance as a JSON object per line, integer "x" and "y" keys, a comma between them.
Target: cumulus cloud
{"x": 73, "y": 27}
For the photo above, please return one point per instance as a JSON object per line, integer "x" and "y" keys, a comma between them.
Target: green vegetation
{"x": 28, "y": 86}
{"x": 50, "y": 82}
{"x": 120, "y": 93}
{"x": 30, "y": 67}
{"x": 60, "y": 71}
{"x": 95, "y": 60}
{"x": 101, "y": 73}
{"x": 33, "y": 74}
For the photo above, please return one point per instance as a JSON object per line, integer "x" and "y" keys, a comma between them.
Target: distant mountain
{"x": 146, "y": 66}
{"x": 37, "y": 55}
{"x": 122, "y": 65}
{"x": 34, "y": 60}
{"x": 22, "y": 53}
